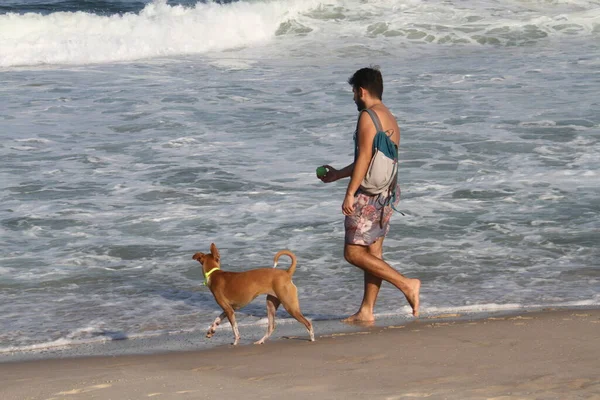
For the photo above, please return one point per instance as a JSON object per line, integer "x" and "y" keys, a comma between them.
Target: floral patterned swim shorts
{"x": 370, "y": 220}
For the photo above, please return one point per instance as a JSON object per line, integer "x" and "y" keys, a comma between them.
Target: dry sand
{"x": 541, "y": 355}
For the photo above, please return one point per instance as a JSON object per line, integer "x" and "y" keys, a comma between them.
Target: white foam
{"x": 37, "y": 347}
{"x": 83, "y": 336}
{"x": 430, "y": 311}
{"x": 474, "y": 308}
{"x": 162, "y": 30}
{"x": 33, "y": 140}
{"x": 181, "y": 142}
{"x": 158, "y": 30}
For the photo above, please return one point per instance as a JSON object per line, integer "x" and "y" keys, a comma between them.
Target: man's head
{"x": 369, "y": 80}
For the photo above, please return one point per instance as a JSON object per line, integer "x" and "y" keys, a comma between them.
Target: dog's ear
{"x": 215, "y": 252}
{"x": 199, "y": 256}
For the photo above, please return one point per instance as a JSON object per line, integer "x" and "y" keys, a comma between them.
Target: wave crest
{"x": 160, "y": 29}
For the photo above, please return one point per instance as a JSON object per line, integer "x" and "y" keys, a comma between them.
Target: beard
{"x": 360, "y": 105}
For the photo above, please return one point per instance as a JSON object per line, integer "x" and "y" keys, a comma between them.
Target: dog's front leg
{"x": 213, "y": 327}
{"x": 228, "y": 310}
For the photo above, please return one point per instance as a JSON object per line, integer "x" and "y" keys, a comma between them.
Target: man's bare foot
{"x": 413, "y": 296}
{"x": 361, "y": 317}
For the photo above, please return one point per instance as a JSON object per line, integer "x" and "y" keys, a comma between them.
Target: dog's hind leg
{"x": 231, "y": 317}
{"x": 272, "y": 304}
{"x": 213, "y": 327}
{"x": 289, "y": 299}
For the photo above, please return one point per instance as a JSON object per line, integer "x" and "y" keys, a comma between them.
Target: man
{"x": 368, "y": 216}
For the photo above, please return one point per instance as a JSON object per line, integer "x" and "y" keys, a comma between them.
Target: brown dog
{"x": 234, "y": 290}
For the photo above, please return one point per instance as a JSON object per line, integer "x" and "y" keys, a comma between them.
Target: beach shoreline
{"x": 286, "y": 328}
{"x": 549, "y": 353}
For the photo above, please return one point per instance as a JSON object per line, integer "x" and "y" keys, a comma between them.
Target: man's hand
{"x": 348, "y": 205}
{"x": 332, "y": 174}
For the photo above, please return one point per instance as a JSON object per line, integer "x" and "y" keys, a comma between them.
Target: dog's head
{"x": 209, "y": 261}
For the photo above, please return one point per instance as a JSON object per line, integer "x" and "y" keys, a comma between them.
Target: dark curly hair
{"x": 370, "y": 79}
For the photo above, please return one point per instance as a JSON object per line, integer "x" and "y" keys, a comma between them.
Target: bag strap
{"x": 377, "y": 124}
{"x": 375, "y": 119}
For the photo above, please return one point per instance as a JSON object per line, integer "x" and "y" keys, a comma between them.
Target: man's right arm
{"x": 333, "y": 174}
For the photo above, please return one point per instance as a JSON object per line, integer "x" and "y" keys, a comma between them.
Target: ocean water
{"x": 135, "y": 133}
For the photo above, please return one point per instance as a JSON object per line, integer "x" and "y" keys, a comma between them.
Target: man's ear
{"x": 362, "y": 92}
{"x": 215, "y": 252}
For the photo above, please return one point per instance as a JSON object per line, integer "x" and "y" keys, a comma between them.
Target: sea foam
{"x": 163, "y": 30}
{"x": 158, "y": 30}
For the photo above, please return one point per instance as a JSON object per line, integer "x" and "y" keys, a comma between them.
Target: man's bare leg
{"x": 371, "y": 289}
{"x": 360, "y": 257}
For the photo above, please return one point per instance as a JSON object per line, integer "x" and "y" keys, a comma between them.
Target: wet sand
{"x": 533, "y": 355}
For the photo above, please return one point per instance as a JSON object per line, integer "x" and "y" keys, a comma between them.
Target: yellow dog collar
{"x": 207, "y": 275}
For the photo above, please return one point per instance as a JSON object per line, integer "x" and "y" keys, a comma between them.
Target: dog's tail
{"x": 288, "y": 253}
